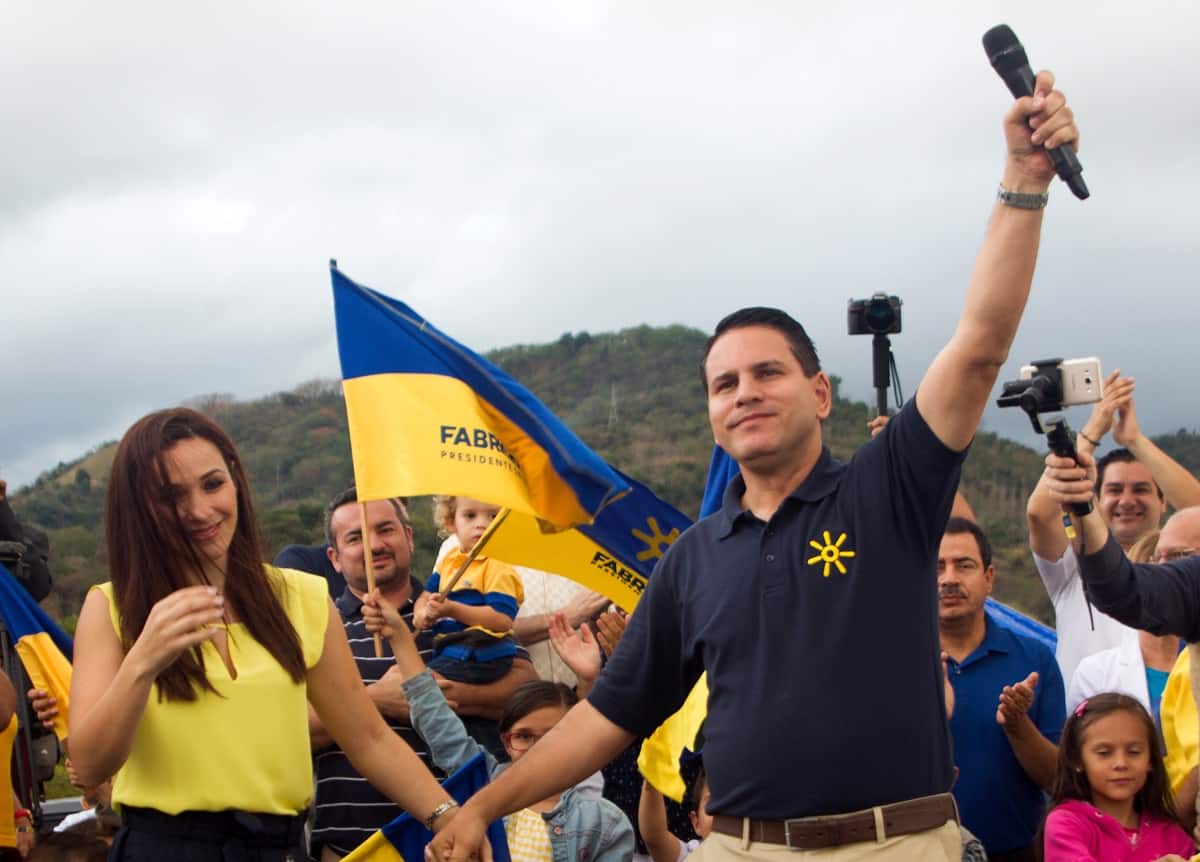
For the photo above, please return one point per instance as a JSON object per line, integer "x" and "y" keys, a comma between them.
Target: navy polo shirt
{"x": 818, "y": 630}
{"x": 996, "y": 799}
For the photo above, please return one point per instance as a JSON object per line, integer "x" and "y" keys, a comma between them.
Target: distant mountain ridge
{"x": 634, "y": 396}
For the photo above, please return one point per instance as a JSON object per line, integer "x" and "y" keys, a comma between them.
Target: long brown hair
{"x": 1070, "y": 780}
{"x": 149, "y": 555}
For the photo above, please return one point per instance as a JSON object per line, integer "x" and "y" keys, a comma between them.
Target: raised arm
{"x": 956, "y": 387}
{"x": 1160, "y": 599}
{"x": 1037, "y": 755}
{"x": 1043, "y": 515}
{"x": 652, "y": 823}
{"x": 1180, "y": 487}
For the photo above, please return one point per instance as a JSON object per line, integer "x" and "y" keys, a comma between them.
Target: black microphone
{"x": 1008, "y": 58}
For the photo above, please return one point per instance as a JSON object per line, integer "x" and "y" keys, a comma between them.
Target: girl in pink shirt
{"x": 1111, "y": 799}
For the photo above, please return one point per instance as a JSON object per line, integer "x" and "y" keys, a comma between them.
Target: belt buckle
{"x": 787, "y": 832}
{"x": 828, "y": 824}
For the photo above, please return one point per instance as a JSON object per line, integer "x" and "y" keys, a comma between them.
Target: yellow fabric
{"x": 569, "y": 553}
{"x": 375, "y": 849}
{"x": 8, "y": 829}
{"x": 442, "y": 426}
{"x": 50, "y": 671}
{"x": 659, "y": 758}
{"x": 1181, "y": 728}
{"x": 528, "y": 837}
{"x": 246, "y": 747}
{"x": 484, "y": 575}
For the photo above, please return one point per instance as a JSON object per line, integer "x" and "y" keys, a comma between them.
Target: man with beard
{"x": 348, "y": 809}
{"x": 1009, "y": 704}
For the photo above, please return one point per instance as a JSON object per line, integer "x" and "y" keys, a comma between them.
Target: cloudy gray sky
{"x": 176, "y": 176}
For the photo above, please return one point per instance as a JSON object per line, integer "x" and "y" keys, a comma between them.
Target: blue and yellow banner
{"x": 405, "y": 838}
{"x": 613, "y": 555}
{"x": 44, "y": 649}
{"x": 429, "y": 416}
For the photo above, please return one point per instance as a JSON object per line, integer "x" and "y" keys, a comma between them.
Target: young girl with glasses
{"x": 572, "y": 825}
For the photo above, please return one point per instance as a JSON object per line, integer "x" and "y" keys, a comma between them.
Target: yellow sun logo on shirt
{"x": 656, "y": 540}
{"x": 831, "y": 553}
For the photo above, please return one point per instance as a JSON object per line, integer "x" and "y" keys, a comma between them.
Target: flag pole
{"x": 369, "y": 559}
{"x": 474, "y": 552}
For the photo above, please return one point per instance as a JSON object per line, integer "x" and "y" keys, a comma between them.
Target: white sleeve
{"x": 1057, "y": 576}
{"x": 1087, "y": 680}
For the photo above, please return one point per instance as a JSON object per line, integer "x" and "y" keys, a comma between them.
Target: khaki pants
{"x": 943, "y": 844}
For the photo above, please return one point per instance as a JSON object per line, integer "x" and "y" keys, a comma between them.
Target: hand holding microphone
{"x": 1050, "y": 124}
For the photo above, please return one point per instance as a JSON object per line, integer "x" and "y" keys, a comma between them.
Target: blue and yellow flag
{"x": 429, "y": 416}
{"x": 44, "y": 649}
{"x": 405, "y": 838}
{"x": 659, "y": 757}
{"x": 613, "y": 555}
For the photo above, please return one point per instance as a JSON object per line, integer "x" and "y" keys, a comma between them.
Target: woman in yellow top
{"x": 193, "y": 666}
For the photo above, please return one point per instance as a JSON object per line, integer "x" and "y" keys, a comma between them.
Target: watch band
{"x": 1021, "y": 200}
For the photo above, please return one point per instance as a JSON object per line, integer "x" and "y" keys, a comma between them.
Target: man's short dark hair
{"x": 957, "y": 525}
{"x": 1118, "y": 456}
{"x": 350, "y": 495}
{"x": 802, "y": 346}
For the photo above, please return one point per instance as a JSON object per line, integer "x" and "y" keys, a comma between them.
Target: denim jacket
{"x": 582, "y": 828}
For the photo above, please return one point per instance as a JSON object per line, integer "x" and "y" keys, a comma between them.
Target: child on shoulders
{"x": 472, "y": 624}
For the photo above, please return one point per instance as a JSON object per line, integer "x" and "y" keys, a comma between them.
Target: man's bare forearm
{"x": 1037, "y": 755}
{"x": 1180, "y": 487}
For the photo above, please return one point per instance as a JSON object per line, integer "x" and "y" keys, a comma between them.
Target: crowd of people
{"x": 863, "y": 700}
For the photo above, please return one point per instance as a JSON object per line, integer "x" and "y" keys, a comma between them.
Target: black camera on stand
{"x": 878, "y": 316}
{"x": 1044, "y": 389}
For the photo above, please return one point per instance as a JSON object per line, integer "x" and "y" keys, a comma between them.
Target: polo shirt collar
{"x": 821, "y": 481}
{"x": 996, "y": 640}
{"x": 350, "y": 605}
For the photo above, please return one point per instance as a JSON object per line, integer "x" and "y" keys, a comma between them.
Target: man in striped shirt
{"x": 347, "y": 810}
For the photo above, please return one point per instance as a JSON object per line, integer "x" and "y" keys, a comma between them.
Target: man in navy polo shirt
{"x": 809, "y": 597}
{"x": 1009, "y": 705}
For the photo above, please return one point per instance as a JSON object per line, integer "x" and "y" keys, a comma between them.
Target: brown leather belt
{"x": 813, "y": 833}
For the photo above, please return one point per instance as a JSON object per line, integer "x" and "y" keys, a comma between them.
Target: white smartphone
{"x": 1082, "y": 381}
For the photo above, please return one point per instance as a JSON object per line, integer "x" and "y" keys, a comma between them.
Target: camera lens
{"x": 879, "y": 316}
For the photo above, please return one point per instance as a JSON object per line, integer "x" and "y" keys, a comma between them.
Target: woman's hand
{"x": 610, "y": 625}
{"x": 176, "y": 624}
{"x": 577, "y": 648}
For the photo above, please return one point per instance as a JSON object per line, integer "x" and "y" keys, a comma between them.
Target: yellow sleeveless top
{"x": 245, "y": 747}
{"x": 8, "y": 829}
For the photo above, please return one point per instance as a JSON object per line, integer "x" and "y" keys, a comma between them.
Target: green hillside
{"x": 634, "y": 396}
